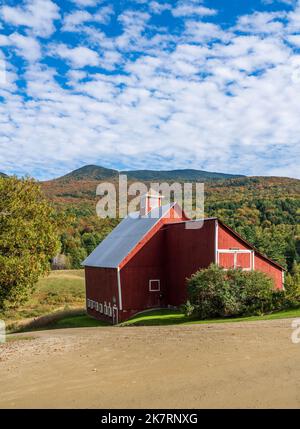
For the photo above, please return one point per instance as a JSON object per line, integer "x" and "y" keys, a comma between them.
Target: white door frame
{"x": 236, "y": 252}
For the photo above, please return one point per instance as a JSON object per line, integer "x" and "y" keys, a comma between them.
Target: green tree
{"x": 28, "y": 238}
{"x": 215, "y": 292}
{"x": 292, "y": 286}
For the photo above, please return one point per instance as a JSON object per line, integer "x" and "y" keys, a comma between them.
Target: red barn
{"x": 145, "y": 260}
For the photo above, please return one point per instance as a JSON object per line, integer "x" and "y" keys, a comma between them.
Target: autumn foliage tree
{"x": 28, "y": 238}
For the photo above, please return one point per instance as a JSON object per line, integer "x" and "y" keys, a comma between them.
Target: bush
{"x": 214, "y": 292}
{"x": 292, "y": 287}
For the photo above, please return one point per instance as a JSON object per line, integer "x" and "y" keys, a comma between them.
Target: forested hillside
{"x": 264, "y": 210}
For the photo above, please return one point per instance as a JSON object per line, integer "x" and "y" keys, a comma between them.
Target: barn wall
{"x": 263, "y": 265}
{"x": 227, "y": 240}
{"x": 187, "y": 251}
{"x": 147, "y": 264}
{"x": 101, "y": 286}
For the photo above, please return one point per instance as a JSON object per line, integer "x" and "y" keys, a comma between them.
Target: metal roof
{"x": 119, "y": 243}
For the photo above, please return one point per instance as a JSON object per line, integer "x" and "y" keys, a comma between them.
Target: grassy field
{"x": 59, "y": 302}
{"x": 66, "y": 319}
{"x": 61, "y": 290}
{"x": 167, "y": 317}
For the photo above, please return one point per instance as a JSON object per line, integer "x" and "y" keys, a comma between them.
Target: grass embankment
{"x": 59, "y": 302}
{"x": 57, "y": 320}
{"x": 167, "y": 317}
{"x": 61, "y": 291}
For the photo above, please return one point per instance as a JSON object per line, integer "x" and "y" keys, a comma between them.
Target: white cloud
{"x": 26, "y": 46}
{"x": 75, "y": 21}
{"x": 200, "y": 97}
{"x": 294, "y": 19}
{"x": 190, "y": 9}
{"x": 87, "y": 3}
{"x": 261, "y": 22}
{"x": 294, "y": 39}
{"x": 158, "y": 8}
{"x": 103, "y": 15}
{"x": 78, "y": 57}
{"x": 37, "y": 15}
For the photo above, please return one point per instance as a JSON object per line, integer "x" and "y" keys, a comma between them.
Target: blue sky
{"x": 150, "y": 84}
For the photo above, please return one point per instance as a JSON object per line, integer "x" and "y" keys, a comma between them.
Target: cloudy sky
{"x": 209, "y": 84}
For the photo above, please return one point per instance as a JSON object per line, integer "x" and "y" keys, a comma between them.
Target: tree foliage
{"x": 28, "y": 238}
{"x": 215, "y": 292}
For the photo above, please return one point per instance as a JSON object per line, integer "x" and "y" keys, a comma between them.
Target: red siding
{"x": 244, "y": 260}
{"x": 188, "y": 250}
{"x": 101, "y": 285}
{"x": 147, "y": 263}
{"x": 266, "y": 267}
{"x": 227, "y": 240}
{"x": 226, "y": 260}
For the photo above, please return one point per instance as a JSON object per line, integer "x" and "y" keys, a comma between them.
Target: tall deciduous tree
{"x": 28, "y": 238}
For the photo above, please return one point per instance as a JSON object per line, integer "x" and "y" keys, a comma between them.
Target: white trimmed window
{"x": 233, "y": 258}
{"x": 154, "y": 285}
{"x": 105, "y": 308}
{"x": 88, "y": 303}
{"x": 100, "y": 307}
{"x": 96, "y": 306}
{"x": 109, "y": 310}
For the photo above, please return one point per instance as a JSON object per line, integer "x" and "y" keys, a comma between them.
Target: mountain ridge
{"x": 96, "y": 172}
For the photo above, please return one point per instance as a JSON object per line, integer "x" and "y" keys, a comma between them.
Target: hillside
{"x": 89, "y": 172}
{"x": 177, "y": 175}
{"x": 94, "y": 172}
{"x": 264, "y": 210}
{"x": 77, "y": 189}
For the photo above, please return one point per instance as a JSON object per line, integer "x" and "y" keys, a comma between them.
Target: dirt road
{"x": 251, "y": 364}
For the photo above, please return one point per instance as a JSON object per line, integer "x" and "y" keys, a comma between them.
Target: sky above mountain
{"x": 212, "y": 85}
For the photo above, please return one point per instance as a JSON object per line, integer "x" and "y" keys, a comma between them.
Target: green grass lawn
{"x": 60, "y": 290}
{"x": 81, "y": 321}
{"x": 167, "y": 317}
{"x": 66, "y": 319}
{"x": 59, "y": 302}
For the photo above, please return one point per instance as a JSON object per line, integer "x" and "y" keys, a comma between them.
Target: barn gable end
{"x": 235, "y": 252}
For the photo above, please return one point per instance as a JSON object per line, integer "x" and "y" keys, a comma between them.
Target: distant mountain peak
{"x": 95, "y": 172}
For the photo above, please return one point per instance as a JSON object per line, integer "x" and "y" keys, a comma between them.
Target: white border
{"x": 150, "y": 285}
{"x": 235, "y": 252}
{"x": 216, "y": 241}
{"x": 119, "y": 289}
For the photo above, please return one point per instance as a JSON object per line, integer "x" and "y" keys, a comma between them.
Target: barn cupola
{"x": 150, "y": 201}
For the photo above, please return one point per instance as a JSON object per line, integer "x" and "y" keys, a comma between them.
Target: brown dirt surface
{"x": 230, "y": 365}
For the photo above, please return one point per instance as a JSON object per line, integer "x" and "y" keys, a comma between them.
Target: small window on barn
{"x": 88, "y": 303}
{"x": 96, "y": 306}
{"x": 154, "y": 285}
{"x": 100, "y": 307}
{"x": 109, "y": 310}
{"x": 105, "y": 308}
